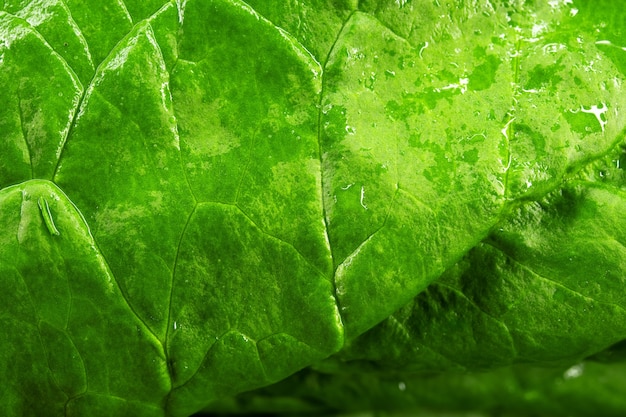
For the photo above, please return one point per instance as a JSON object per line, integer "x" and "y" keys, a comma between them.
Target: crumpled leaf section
{"x": 200, "y": 197}
{"x": 219, "y": 147}
{"x": 528, "y": 294}
{"x": 256, "y": 336}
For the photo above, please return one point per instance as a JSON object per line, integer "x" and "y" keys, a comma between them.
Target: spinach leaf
{"x": 71, "y": 339}
{"x": 528, "y": 294}
{"x": 579, "y": 390}
{"x": 524, "y": 323}
{"x": 201, "y": 197}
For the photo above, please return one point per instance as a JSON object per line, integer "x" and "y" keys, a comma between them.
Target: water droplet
{"x": 598, "y": 112}
{"x": 369, "y": 82}
{"x": 538, "y": 29}
{"x": 422, "y": 49}
{"x": 574, "y": 372}
{"x": 363, "y": 198}
{"x": 552, "y": 48}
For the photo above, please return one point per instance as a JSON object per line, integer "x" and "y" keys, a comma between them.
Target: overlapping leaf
{"x": 544, "y": 288}
{"x": 242, "y": 186}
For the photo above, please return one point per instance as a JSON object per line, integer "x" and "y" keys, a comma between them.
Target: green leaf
{"x": 412, "y": 185}
{"x": 528, "y": 294}
{"x": 579, "y": 390}
{"x": 202, "y": 197}
{"x": 208, "y": 153}
{"x": 71, "y": 339}
{"x": 41, "y": 93}
{"x": 401, "y": 201}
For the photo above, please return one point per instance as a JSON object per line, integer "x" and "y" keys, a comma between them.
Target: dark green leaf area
{"x": 613, "y": 354}
{"x": 546, "y": 287}
{"x": 107, "y": 405}
{"x": 408, "y": 186}
{"x": 135, "y": 196}
{"x": 69, "y": 321}
{"x": 441, "y": 330}
{"x": 576, "y": 236}
{"x": 248, "y": 126}
{"x": 421, "y": 21}
{"x": 40, "y": 94}
{"x": 580, "y": 390}
{"x": 247, "y": 309}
